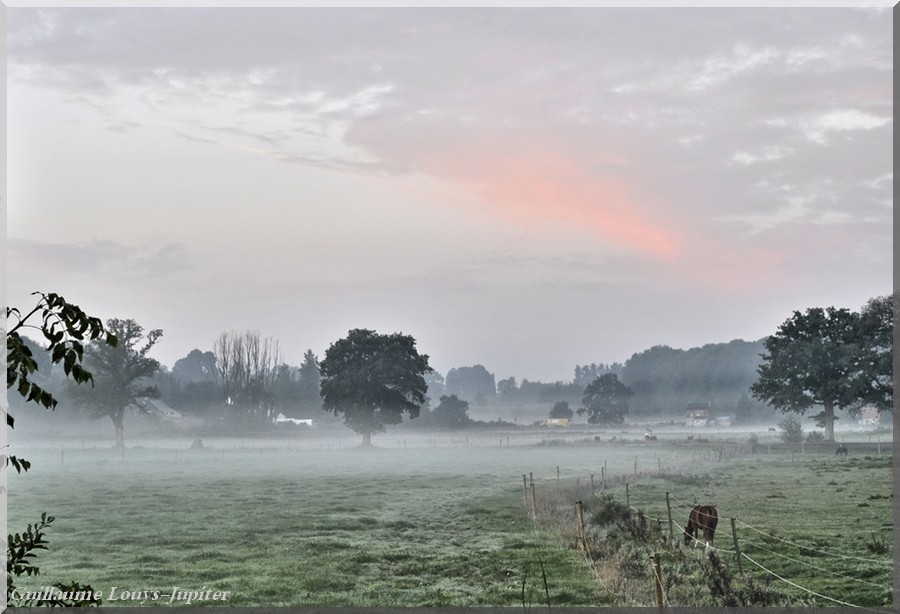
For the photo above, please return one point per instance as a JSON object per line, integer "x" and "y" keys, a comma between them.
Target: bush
{"x": 791, "y": 430}
{"x": 815, "y": 437}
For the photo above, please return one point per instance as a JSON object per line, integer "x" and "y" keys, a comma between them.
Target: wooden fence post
{"x": 584, "y": 544}
{"x": 533, "y": 503}
{"x": 635, "y": 465}
{"x": 592, "y": 484}
{"x": 737, "y": 549}
{"x": 669, "y": 510}
{"x": 557, "y": 475}
{"x": 627, "y": 497}
{"x": 603, "y": 474}
{"x": 657, "y": 573}
{"x": 525, "y": 490}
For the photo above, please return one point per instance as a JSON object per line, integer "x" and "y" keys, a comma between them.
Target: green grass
{"x": 278, "y": 527}
{"x": 276, "y": 524}
{"x": 821, "y": 522}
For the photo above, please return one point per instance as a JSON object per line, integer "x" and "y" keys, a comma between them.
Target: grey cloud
{"x": 100, "y": 258}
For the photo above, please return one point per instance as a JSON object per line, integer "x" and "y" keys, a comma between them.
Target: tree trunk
{"x": 829, "y": 419}
{"x": 119, "y": 424}
{"x": 367, "y": 440}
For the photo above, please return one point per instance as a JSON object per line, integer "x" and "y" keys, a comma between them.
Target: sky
{"x": 526, "y": 189}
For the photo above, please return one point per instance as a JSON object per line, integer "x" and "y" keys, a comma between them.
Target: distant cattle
{"x": 841, "y": 450}
{"x": 702, "y": 518}
{"x": 649, "y": 437}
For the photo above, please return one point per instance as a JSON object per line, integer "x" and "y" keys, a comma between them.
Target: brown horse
{"x": 841, "y": 450}
{"x": 705, "y": 518}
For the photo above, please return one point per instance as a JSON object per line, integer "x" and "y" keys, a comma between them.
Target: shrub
{"x": 791, "y": 430}
{"x": 815, "y": 437}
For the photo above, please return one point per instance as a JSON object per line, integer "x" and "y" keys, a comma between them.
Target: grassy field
{"x": 278, "y": 526}
{"x": 424, "y": 522}
{"x": 823, "y": 524}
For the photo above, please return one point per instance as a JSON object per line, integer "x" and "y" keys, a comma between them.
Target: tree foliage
{"x": 310, "y": 384}
{"x": 561, "y": 409}
{"x": 606, "y": 400}
{"x": 452, "y": 413}
{"x": 667, "y": 379}
{"x": 875, "y": 383}
{"x": 475, "y": 384}
{"x": 373, "y": 380}
{"x": 65, "y": 328}
{"x": 121, "y": 373}
{"x": 832, "y": 358}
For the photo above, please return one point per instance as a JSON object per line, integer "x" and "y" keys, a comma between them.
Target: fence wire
{"x": 807, "y": 564}
{"x": 834, "y": 554}
{"x": 810, "y": 591}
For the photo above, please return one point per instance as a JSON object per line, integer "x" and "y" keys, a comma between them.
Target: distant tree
{"x": 373, "y": 379}
{"x": 743, "y": 409}
{"x": 285, "y": 389}
{"x": 663, "y": 378}
{"x": 196, "y": 367}
{"x": 507, "y": 390}
{"x": 121, "y": 373}
{"x": 246, "y": 365}
{"x": 309, "y": 383}
{"x": 435, "y": 383}
{"x": 451, "y": 413}
{"x": 606, "y": 400}
{"x": 190, "y": 386}
{"x": 474, "y": 384}
{"x": 814, "y": 359}
{"x": 561, "y": 409}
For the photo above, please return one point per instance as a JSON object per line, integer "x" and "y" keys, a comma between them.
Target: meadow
{"x": 420, "y": 520}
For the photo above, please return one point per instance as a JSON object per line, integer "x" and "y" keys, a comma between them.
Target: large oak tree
{"x": 373, "y": 379}
{"x": 830, "y": 358}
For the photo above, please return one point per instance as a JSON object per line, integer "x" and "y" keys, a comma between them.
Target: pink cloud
{"x": 531, "y": 187}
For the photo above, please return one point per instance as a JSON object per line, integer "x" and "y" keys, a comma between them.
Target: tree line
{"x": 243, "y": 382}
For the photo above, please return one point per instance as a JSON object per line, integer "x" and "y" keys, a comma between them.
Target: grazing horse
{"x": 705, "y": 518}
{"x": 841, "y": 450}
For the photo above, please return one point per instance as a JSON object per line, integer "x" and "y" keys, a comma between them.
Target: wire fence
{"x": 739, "y": 552}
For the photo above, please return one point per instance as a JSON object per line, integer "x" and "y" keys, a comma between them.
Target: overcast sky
{"x": 528, "y": 189}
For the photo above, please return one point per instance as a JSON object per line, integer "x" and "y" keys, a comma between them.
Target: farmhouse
{"x": 282, "y": 419}
{"x": 155, "y": 407}
{"x": 555, "y": 422}
{"x": 697, "y": 414}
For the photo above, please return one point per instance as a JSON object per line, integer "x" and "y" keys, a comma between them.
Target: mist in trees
{"x": 664, "y": 380}
{"x": 451, "y": 413}
{"x": 474, "y": 384}
{"x": 246, "y": 370}
{"x": 243, "y": 381}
